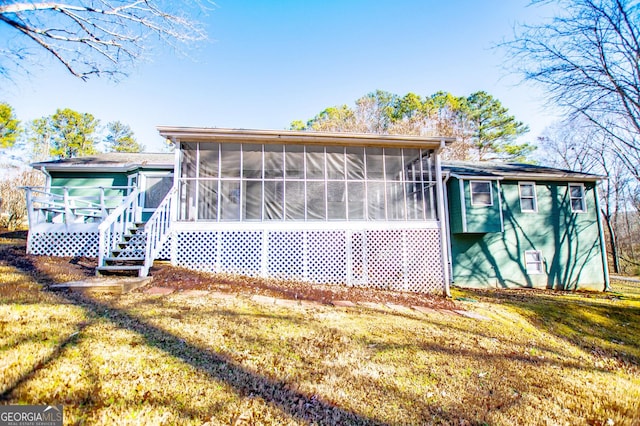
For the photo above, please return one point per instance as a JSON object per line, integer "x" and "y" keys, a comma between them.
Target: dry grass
{"x": 544, "y": 358}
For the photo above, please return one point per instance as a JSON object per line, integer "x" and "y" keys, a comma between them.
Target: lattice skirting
{"x": 70, "y": 244}
{"x": 404, "y": 260}
{"x": 64, "y": 244}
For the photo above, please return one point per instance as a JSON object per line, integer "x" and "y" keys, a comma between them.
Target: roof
{"x": 111, "y": 161}
{"x": 208, "y": 134}
{"x": 498, "y": 171}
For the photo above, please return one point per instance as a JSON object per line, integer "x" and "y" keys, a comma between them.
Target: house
{"x": 367, "y": 210}
{"x": 520, "y": 225}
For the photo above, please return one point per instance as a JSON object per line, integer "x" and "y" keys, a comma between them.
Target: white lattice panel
{"x": 241, "y": 253}
{"x": 327, "y": 254}
{"x": 286, "y": 257}
{"x": 197, "y": 250}
{"x": 64, "y": 244}
{"x": 423, "y": 258}
{"x": 384, "y": 259}
{"x": 397, "y": 259}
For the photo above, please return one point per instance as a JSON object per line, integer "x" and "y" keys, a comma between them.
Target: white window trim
{"x": 540, "y": 262}
{"x": 535, "y": 197}
{"x": 471, "y": 182}
{"x": 583, "y": 198}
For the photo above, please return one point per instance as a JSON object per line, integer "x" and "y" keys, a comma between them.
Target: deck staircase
{"x": 127, "y": 258}
{"x": 128, "y": 246}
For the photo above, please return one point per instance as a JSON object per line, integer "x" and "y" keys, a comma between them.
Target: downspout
{"x": 444, "y": 233}
{"x": 603, "y": 246}
{"x": 448, "y": 227}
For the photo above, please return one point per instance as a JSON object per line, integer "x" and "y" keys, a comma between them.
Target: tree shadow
{"x": 595, "y": 326}
{"x": 246, "y": 383}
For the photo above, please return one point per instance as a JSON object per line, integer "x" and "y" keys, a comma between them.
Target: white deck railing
{"x": 114, "y": 226}
{"x": 157, "y": 229}
{"x": 59, "y": 205}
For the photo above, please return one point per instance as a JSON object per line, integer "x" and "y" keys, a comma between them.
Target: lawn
{"x": 225, "y": 357}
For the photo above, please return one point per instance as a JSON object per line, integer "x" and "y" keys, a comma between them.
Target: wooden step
{"x": 115, "y": 269}
{"x": 125, "y": 259}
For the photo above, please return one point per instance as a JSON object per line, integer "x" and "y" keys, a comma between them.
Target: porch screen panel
{"x": 189, "y": 164}
{"x": 252, "y": 166}
{"x": 209, "y": 160}
{"x": 208, "y": 200}
{"x": 356, "y": 200}
{"x": 316, "y": 206}
{"x": 230, "y": 200}
{"x": 236, "y": 182}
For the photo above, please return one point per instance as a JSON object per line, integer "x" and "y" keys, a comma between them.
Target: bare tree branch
{"x": 99, "y": 37}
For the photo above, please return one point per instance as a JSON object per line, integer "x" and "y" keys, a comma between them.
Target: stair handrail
{"x": 157, "y": 229}
{"x": 117, "y": 222}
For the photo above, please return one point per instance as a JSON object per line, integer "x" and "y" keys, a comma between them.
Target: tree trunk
{"x": 614, "y": 244}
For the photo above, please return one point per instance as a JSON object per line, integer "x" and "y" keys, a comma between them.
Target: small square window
{"x": 576, "y": 197}
{"x": 481, "y": 194}
{"x": 533, "y": 261}
{"x": 528, "y": 201}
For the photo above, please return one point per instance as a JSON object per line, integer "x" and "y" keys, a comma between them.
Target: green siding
{"x": 85, "y": 184}
{"x": 478, "y": 219}
{"x": 569, "y": 243}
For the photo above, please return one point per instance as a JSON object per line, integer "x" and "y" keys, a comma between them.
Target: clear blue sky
{"x": 271, "y": 62}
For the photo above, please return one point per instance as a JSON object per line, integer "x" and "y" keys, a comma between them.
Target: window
{"x": 528, "y": 201}
{"x": 576, "y": 196}
{"x": 533, "y": 261}
{"x": 481, "y": 194}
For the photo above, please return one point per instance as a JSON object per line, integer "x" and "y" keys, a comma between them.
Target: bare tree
{"x": 587, "y": 60}
{"x": 580, "y": 145}
{"x": 13, "y": 205}
{"x": 97, "y": 37}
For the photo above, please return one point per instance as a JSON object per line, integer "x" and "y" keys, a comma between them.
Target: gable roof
{"x": 499, "y": 171}
{"x": 111, "y": 162}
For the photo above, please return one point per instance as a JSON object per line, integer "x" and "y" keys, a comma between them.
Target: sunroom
{"x": 354, "y": 209}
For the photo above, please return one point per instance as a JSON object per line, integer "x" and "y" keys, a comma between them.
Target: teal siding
{"x": 467, "y": 218}
{"x": 481, "y": 219}
{"x": 569, "y": 243}
{"x": 85, "y": 185}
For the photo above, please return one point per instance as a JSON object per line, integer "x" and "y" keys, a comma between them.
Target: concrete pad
{"x": 287, "y": 302}
{"x": 194, "y": 293}
{"x": 344, "y": 304}
{"x": 425, "y": 310}
{"x": 104, "y": 284}
{"x": 447, "y": 312}
{"x": 399, "y": 308}
{"x": 159, "y": 291}
{"x": 471, "y": 314}
{"x": 263, "y": 299}
{"x": 310, "y": 304}
{"x": 222, "y": 295}
{"x": 373, "y": 305}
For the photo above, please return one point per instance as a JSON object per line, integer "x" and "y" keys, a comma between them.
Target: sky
{"x": 267, "y": 63}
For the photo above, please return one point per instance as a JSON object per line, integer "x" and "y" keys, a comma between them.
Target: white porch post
{"x": 444, "y": 232}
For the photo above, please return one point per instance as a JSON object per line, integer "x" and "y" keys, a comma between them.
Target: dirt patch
{"x": 50, "y": 270}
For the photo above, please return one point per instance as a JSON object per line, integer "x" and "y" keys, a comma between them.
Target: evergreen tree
{"x": 9, "y": 126}
{"x": 121, "y": 138}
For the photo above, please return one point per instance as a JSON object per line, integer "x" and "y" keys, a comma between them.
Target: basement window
{"x": 481, "y": 194}
{"x": 533, "y": 261}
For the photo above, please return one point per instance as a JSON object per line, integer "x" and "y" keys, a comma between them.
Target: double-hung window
{"x": 481, "y": 194}
{"x": 533, "y": 261}
{"x": 576, "y": 197}
{"x": 528, "y": 200}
